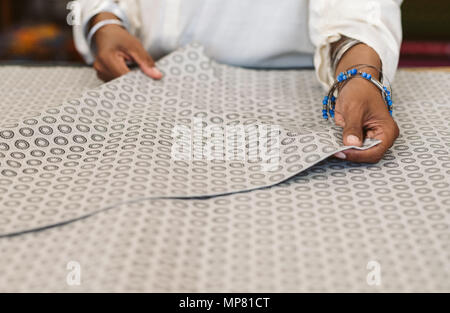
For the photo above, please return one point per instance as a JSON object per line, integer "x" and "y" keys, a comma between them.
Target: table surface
{"x": 326, "y": 229}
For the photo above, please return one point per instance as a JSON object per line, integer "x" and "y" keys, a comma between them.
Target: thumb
{"x": 353, "y": 129}
{"x": 145, "y": 62}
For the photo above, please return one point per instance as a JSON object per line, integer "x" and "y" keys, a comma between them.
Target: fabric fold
{"x": 206, "y": 129}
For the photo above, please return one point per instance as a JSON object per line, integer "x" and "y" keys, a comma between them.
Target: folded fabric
{"x": 321, "y": 230}
{"x": 205, "y": 129}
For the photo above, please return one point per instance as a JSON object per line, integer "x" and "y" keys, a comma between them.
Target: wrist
{"x": 101, "y": 17}
{"x": 360, "y": 54}
{"x": 102, "y": 23}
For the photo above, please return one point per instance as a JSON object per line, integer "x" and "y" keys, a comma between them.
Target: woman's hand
{"x": 116, "y": 47}
{"x": 361, "y": 110}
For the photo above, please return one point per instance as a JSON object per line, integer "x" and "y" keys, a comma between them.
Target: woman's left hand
{"x": 362, "y": 112}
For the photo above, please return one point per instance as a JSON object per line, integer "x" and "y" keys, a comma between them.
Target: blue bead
{"x": 324, "y": 111}
{"x": 388, "y": 98}
{"x": 369, "y": 76}
{"x": 364, "y": 74}
{"x": 325, "y": 98}
{"x": 354, "y": 71}
{"x": 389, "y": 102}
{"x": 324, "y": 102}
{"x": 344, "y": 77}
{"x": 333, "y": 98}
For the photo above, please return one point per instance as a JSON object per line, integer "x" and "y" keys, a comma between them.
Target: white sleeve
{"x": 376, "y": 23}
{"x": 125, "y": 10}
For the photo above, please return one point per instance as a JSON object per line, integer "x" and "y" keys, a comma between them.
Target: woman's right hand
{"x": 116, "y": 47}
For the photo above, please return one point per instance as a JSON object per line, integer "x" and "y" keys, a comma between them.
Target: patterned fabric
{"x": 136, "y": 138}
{"x": 317, "y": 231}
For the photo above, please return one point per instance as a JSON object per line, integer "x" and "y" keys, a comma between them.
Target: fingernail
{"x": 155, "y": 71}
{"x": 340, "y": 155}
{"x": 352, "y": 140}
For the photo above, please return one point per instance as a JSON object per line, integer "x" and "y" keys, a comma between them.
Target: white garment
{"x": 256, "y": 33}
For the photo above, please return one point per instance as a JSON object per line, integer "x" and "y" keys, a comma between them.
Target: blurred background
{"x": 37, "y": 31}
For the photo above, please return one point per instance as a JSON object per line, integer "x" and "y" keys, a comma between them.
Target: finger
{"x": 374, "y": 154}
{"x": 100, "y": 70}
{"x": 102, "y": 76}
{"x": 115, "y": 66}
{"x": 353, "y": 128}
{"x": 145, "y": 62}
{"x": 339, "y": 119}
{"x": 371, "y": 155}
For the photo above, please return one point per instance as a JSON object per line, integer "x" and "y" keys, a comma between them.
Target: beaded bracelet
{"x": 329, "y": 101}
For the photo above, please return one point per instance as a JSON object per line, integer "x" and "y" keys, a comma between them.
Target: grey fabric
{"x": 317, "y": 231}
{"x": 135, "y": 138}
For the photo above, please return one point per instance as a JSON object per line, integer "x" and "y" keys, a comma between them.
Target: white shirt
{"x": 256, "y": 33}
